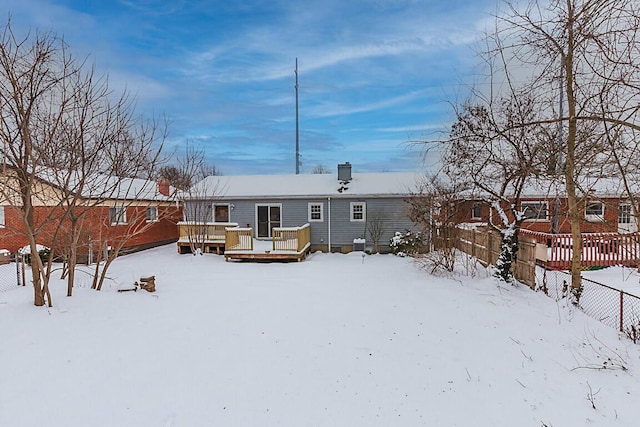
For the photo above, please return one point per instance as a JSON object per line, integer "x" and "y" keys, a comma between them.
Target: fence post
{"x": 24, "y": 277}
{"x": 621, "y": 311}
{"x": 473, "y": 243}
{"x": 18, "y": 268}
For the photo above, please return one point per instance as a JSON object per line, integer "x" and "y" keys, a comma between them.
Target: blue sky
{"x": 373, "y": 75}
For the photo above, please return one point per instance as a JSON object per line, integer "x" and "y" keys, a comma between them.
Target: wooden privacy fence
{"x": 485, "y": 246}
{"x": 553, "y": 251}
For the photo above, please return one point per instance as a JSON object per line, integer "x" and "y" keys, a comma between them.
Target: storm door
{"x": 267, "y": 217}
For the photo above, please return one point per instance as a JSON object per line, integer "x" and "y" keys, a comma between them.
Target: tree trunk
{"x": 96, "y": 273}
{"x": 73, "y": 256}
{"x": 71, "y": 265}
{"x": 569, "y": 172}
{"x": 36, "y": 262}
{"x": 508, "y": 254}
{"x": 36, "y": 274}
{"x": 103, "y": 273}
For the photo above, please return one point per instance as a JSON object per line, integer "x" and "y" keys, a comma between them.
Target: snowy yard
{"x": 624, "y": 278}
{"x": 336, "y": 340}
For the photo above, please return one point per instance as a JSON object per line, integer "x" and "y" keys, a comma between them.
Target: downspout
{"x": 329, "y": 224}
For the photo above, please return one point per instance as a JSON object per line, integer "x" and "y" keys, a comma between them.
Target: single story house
{"x": 339, "y": 208}
{"x": 133, "y": 213}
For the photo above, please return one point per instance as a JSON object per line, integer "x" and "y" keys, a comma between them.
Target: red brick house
{"x": 609, "y": 228}
{"x": 604, "y": 207}
{"x": 139, "y": 214}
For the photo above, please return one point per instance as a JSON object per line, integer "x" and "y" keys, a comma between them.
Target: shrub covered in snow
{"x": 407, "y": 243}
{"x": 43, "y": 252}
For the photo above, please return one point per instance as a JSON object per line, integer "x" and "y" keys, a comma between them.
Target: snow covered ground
{"x": 336, "y": 340}
{"x": 624, "y": 278}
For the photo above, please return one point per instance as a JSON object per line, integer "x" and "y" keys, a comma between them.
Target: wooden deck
{"x": 598, "y": 249}
{"x": 287, "y": 244}
{"x": 208, "y": 235}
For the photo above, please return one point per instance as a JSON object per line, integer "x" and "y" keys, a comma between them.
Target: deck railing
{"x": 238, "y": 239}
{"x": 294, "y": 239}
{"x": 204, "y": 231}
{"x": 598, "y": 249}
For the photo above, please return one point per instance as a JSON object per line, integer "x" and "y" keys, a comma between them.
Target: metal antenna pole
{"x": 297, "y": 125}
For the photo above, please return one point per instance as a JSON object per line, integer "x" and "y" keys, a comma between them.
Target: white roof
{"x": 598, "y": 186}
{"x": 604, "y": 187}
{"x": 101, "y": 186}
{"x": 124, "y": 189}
{"x": 307, "y": 185}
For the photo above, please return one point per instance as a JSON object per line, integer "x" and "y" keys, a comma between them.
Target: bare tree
{"x": 199, "y": 210}
{"x": 130, "y": 215}
{"x": 172, "y": 174}
{"x": 496, "y": 159}
{"x": 208, "y": 169}
{"x": 35, "y": 78}
{"x": 320, "y": 169}
{"x": 61, "y": 125}
{"x": 435, "y": 209}
{"x": 182, "y": 174}
{"x": 376, "y": 226}
{"x": 591, "y": 47}
{"x": 99, "y": 147}
{"x": 579, "y": 62}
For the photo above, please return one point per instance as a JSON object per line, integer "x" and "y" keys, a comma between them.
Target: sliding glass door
{"x": 267, "y": 217}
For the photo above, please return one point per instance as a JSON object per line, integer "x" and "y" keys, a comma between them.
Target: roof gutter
{"x": 303, "y": 196}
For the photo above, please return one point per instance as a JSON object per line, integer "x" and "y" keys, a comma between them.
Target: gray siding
{"x": 294, "y": 212}
{"x": 390, "y": 210}
{"x": 198, "y": 211}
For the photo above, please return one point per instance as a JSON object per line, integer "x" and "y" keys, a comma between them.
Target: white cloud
{"x": 273, "y": 45}
{"x": 366, "y": 67}
{"x": 154, "y": 7}
{"x": 331, "y": 108}
{"x": 430, "y": 126}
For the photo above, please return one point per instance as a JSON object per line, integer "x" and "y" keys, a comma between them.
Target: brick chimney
{"x": 164, "y": 187}
{"x": 344, "y": 171}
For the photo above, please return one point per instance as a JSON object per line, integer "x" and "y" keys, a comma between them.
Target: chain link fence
{"x": 11, "y": 273}
{"x": 613, "y": 307}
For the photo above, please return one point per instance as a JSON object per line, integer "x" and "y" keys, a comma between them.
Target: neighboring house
{"x": 140, "y": 213}
{"x": 338, "y": 208}
{"x": 604, "y": 207}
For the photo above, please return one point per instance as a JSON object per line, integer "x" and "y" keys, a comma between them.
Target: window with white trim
{"x": 2, "y": 220}
{"x": 594, "y": 211}
{"x": 152, "y": 214}
{"x": 221, "y": 213}
{"x": 316, "y": 212}
{"x": 118, "y": 215}
{"x": 358, "y": 211}
{"x": 535, "y": 211}
{"x": 476, "y": 211}
{"x": 624, "y": 214}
